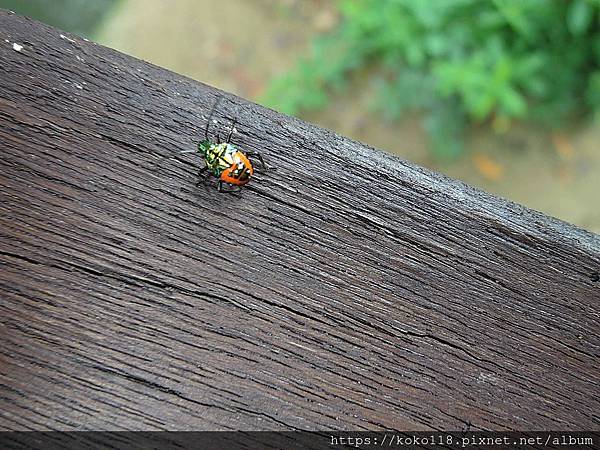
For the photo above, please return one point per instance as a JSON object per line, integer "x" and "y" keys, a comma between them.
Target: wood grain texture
{"x": 347, "y": 289}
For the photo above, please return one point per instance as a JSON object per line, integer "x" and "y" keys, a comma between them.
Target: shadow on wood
{"x": 345, "y": 290}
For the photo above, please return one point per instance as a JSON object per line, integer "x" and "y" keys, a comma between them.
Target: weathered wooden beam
{"x": 347, "y": 289}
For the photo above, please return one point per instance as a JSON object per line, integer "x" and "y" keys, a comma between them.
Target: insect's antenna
{"x": 217, "y": 101}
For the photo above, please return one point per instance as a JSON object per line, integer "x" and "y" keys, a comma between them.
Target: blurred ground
{"x": 239, "y": 45}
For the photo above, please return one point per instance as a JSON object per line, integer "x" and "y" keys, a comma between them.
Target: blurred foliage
{"x": 457, "y": 61}
{"x": 76, "y": 16}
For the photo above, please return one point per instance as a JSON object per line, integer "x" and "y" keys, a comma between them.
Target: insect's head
{"x": 203, "y": 146}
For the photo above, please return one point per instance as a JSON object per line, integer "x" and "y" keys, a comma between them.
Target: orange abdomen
{"x": 239, "y": 172}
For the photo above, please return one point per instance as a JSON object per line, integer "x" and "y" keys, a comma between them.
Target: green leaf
{"x": 579, "y": 17}
{"x": 512, "y": 103}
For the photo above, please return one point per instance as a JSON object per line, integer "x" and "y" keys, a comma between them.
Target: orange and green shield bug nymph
{"x": 223, "y": 160}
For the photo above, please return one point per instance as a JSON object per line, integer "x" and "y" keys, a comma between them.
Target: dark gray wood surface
{"x": 345, "y": 289}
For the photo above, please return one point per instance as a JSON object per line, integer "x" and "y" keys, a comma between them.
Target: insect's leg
{"x": 259, "y": 156}
{"x": 202, "y": 175}
{"x": 218, "y": 138}
{"x": 233, "y": 190}
{"x": 231, "y": 130}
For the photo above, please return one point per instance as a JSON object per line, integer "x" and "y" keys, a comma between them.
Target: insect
{"x": 223, "y": 160}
